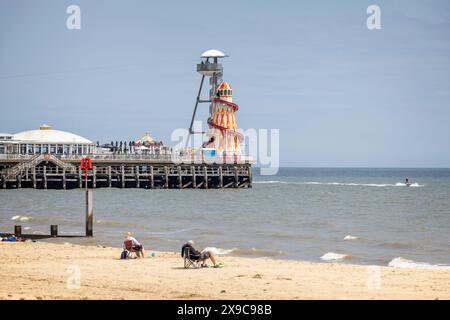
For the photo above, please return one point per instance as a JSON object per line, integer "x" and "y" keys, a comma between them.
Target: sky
{"x": 340, "y": 94}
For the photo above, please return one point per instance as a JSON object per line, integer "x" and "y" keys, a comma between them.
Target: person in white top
{"x": 136, "y": 246}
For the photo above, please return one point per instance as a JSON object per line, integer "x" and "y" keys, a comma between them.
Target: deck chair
{"x": 129, "y": 248}
{"x": 188, "y": 262}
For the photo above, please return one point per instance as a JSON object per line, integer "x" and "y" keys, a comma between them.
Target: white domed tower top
{"x": 213, "y": 54}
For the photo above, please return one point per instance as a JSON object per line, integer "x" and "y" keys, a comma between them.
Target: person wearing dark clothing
{"x": 196, "y": 255}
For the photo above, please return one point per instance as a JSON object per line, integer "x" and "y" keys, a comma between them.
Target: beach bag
{"x": 124, "y": 254}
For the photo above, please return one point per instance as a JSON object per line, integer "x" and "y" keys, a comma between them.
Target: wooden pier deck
{"x": 51, "y": 172}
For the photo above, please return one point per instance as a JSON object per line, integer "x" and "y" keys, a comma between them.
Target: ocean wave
{"x": 414, "y": 185}
{"x": 219, "y": 251}
{"x": 400, "y": 262}
{"x": 21, "y": 218}
{"x": 332, "y": 256}
{"x": 350, "y": 184}
{"x": 350, "y": 237}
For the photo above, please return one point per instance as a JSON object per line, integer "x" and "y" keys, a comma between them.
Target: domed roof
{"x": 224, "y": 86}
{"x": 146, "y": 139}
{"x": 213, "y": 54}
{"x": 46, "y": 134}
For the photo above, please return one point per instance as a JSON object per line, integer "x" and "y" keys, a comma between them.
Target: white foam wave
{"x": 24, "y": 219}
{"x": 15, "y": 217}
{"x": 400, "y": 262}
{"x": 332, "y": 256}
{"x": 218, "y": 251}
{"x": 350, "y": 237}
{"x": 351, "y": 184}
{"x": 413, "y": 185}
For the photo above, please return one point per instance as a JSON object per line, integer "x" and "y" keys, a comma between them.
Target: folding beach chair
{"x": 188, "y": 262}
{"x": 129, "y": 248}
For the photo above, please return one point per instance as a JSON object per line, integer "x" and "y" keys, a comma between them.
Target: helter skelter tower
{"x": 222, "y": 134}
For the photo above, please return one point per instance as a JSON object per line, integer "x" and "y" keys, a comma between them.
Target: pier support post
{"x": 250, "y": 176}
{"x": 220, "y": 177}
{"x": 109, "y": 177}
{"x": 152, "y": 178}
{"x": 180, "y": 178}
{"x": 80, "y": 179}
{"x": 34, "y": 177}
{"x": 194, "y": 178}
{"x": 94, "y": 177}
{"x": 53, "y": 230}
{"x": 205, "y": 174}
{"x": 122, "y": 170}
{"x": 89, "y": 213}
{"x": 236, "y": 177}
{"x": 45, "y": 177}
{"x": 18, "y": 231}
{"x": 166, "y": 173}
{"x": 19, "y": 181}
{"x": 64, "y": 179}
{"x": 138, "y": 182}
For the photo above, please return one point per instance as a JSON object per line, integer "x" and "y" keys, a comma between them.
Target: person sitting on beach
{"x": 194, "y": 254}
{"x": 136, "y": 245}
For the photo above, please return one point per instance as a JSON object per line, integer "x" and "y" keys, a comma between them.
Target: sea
{"x": 346, "y": 215}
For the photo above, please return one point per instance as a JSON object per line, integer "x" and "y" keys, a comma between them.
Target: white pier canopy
{"x": 46, "y": 140}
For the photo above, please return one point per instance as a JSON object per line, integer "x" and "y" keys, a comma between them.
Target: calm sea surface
{"x": 364, "y": 216}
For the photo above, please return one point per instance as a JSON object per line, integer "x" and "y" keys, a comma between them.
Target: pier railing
{"x": 173, "y": 158}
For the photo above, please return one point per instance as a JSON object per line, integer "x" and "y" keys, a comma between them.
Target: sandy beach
{"x": 40, "y": 271}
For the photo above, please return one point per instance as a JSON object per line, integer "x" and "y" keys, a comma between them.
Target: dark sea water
{"x": 363, "y": 216}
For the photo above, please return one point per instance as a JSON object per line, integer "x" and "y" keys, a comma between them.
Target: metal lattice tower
{"x": 208, "y": 67}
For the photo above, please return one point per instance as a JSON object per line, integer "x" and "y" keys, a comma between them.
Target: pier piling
{"x": 132, "y": 172}
{"x": 18, "y": 231}
{"x": 89, "y": 213}
{"x": 54, "y": 230}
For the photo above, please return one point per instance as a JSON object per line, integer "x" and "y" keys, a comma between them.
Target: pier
{"x": 47, "y": 171}
{"x": 47, "y": 158}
